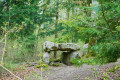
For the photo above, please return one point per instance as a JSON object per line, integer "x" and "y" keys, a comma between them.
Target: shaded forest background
{"x": 26, "y": 24}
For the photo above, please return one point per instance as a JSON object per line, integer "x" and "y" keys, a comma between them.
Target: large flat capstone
{"x": 51, "y": 46}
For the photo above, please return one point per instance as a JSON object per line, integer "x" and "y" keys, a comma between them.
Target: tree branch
{"x": 107, "y": 21}
{"x": 4, "y": 49}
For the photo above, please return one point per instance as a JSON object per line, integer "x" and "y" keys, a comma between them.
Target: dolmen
{"x": 69, "y": 51}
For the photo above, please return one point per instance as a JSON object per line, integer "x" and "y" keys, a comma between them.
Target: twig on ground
{"x": 10, "y": 72}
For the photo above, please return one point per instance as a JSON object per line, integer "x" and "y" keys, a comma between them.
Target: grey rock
{"x": 68, "y": 47}
{"x": 50, "y": 46}
{"x": 75, "y": 54}
{"x": 85, "y": 49}
{"x": 46, "y": 57}
{"x": 70, "y": 51}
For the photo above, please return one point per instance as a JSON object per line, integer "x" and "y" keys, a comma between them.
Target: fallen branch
{"x": 5, "y": 49}
{"x": 3, "y": 59}
{"x": 10, "y": 72}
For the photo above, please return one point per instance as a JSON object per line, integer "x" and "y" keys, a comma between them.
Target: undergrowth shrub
{"x": 90, "y": 54}
{"x": 41, "y": 64}
{"x": 89, "y": 61}
{"x": 108, "y": 52}
{"x": 23, "y": 49}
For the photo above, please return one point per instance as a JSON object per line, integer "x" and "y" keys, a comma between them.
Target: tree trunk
{"x": 56, "y": 32}
{"x": 89, "y": 2}
{"x": 68, "y": 14}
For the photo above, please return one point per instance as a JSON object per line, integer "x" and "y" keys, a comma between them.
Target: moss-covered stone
{"x": 42, "y": 65}
{"x": 55, "y": 60}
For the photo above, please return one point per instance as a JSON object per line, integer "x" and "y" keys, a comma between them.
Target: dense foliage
{"x": 29, "y": 23}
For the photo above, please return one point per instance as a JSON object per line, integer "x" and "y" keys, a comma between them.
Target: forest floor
{"x": 84, "y": 72}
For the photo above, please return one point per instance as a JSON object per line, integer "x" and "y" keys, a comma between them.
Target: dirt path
{"x": 85, "y": 72}
{"x": 69, "y": 73}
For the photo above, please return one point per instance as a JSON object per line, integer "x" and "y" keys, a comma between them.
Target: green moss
{"x": 42, "y": 65}
{"x": 118, "y": 78}
{"x": 56, "y": 64}
{"x": 40, "y": 62}
{"x": 114, "y": 69}
{"x": 106, "y": 76}
{"x": 55, "y": 60}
